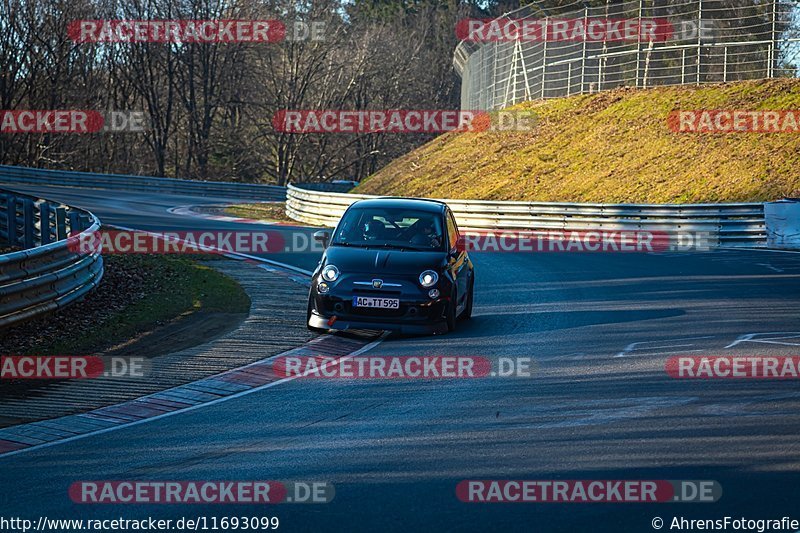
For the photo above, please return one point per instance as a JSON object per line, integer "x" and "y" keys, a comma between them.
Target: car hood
{"x": 382, "y": 261}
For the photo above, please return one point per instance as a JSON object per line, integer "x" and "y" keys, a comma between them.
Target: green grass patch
{"x": 273, "y": 211}
{"x": 166, "y": 288}
{"x": 613, "y": 146}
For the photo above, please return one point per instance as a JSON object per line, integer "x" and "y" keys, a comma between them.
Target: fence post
{"x": 725, "y": 64}
{"x": 524, "y": 72}
{"x": 600, "y": 61}
{"x": 699, "y": 40}
{"x": 544, "y": 55}
{"x": 639, "y": 44}
{"x": 496, "y": 50}
{"x": 583, "y": 53}
{"x": 771, "y": 67}
{"x": 569, "y": 78}
{"x": 683, "y": 66}
{"x": 647, "y": 64}
{"x": 511, "y": 74}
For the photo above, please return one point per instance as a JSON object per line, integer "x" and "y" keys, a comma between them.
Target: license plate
{"x": 381, "y": 303}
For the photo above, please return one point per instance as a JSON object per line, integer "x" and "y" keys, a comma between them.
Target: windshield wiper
{"x": 348, "y": 244}
{"x": 405, "y": 247}
{"x": 384, "y": 245}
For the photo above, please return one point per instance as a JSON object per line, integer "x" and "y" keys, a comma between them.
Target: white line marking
{"x": 361, "y": 350}
{"x": 750, "y": 337}
{"x": 767, "y": 265}
{"x": 629, "y": 348}
{"x": 667, "y": 346}
{"x": 764, "y": 250}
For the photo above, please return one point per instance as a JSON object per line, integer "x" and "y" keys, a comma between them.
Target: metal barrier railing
{"x": 725, "y": 224}
{"x": 45, "y": 275}
{"x": 704, "y": 42}
{"x": 243, "y": 191}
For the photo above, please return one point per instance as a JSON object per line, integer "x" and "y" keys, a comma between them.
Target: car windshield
{"x": 408, "y": 229}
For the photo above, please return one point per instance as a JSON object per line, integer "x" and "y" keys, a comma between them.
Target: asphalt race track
{"x": 600, "y": 405}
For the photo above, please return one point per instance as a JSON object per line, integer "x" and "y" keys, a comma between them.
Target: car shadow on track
{"x": 492, "y": 325}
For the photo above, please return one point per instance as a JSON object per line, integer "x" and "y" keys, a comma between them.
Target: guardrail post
{"x": 44, "y": 222}
{"x": 3, "y": 197}
{"x": 11, "y": 219}
{"x": 28, "y": 224}
{"x": 74, "y": 222}
{"x": 48, "y": 288}
{"x": 61, "y": 223}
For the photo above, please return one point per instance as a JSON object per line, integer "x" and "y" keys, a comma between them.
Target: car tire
{"x": 466, "y": 314}
{"x": 308, "y": 318}
{"x": 450, "y": 313}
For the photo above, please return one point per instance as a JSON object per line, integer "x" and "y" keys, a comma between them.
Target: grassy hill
{"x": 613, "y": 146}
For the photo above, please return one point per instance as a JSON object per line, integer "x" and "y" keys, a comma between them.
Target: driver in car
{"x": 426, "y": 235}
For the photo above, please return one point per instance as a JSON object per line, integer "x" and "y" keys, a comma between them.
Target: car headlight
{"x": 428, "y": 278}
{"x": 330, "y": 273}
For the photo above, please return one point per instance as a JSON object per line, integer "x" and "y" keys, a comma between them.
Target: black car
{"x": 392, "y": 264}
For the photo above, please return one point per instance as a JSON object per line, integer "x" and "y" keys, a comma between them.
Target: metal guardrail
{"x": 724, "y": 224}
{"x": 243, "y": 191}
{"x": 46, "y": 274}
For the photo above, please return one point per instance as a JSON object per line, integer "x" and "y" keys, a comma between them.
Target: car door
{"x": 458, "y": 260}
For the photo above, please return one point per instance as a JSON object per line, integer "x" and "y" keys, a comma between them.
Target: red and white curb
{"x": 190, "y": 396}
{"x": 181, "y": 399}
{"x": 189, "y": 211}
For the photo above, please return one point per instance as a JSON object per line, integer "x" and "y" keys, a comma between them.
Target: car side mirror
{"x": 323, "y": 237}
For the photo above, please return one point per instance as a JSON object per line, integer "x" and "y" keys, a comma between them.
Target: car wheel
{"x": 450, "y": 313}
{"x": 308, "y": 318}
{"x": 466, "y": 314}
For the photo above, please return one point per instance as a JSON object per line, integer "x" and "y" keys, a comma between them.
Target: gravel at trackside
{"x": 122, "y": 285}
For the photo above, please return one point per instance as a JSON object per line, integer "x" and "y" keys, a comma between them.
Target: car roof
{"x": 433, "y": 206}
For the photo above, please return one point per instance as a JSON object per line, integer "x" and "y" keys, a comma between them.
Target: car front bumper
{"x": 341, "y": 324}
{"x": 417, "y": 314}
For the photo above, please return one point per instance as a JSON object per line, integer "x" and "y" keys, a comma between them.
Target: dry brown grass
{"x": 611, "y": 147}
